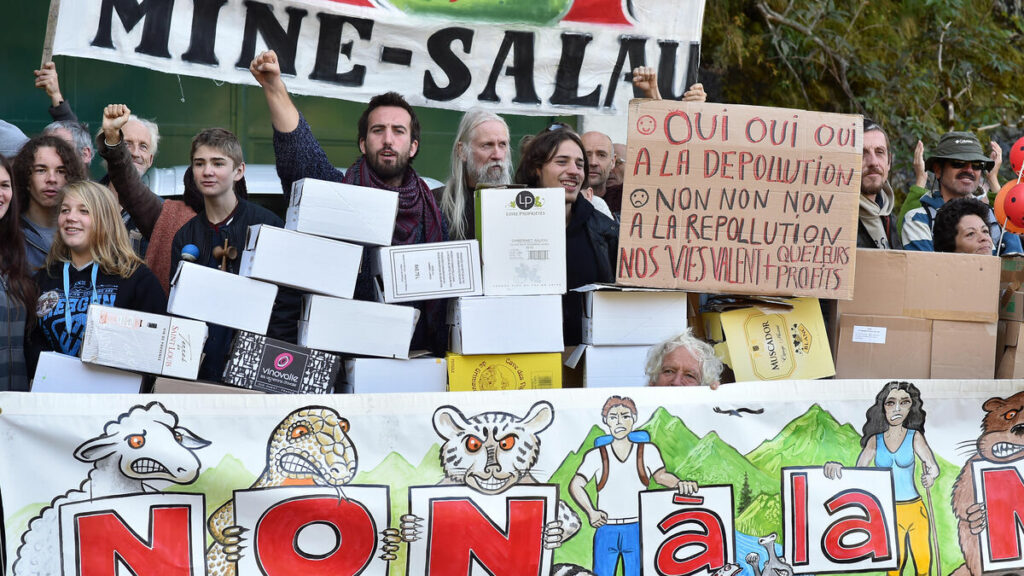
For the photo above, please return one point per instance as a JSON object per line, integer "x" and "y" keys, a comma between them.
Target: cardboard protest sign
{"x": 740, "y": 199}
{"x": 312, "y": 529}
{"x": 687, "y": 534}
{"x": 140, "y": 533}
{"x": 474, "y": 533}
{"x": 843, "y": 524}
{"x": 1000, "y": 485}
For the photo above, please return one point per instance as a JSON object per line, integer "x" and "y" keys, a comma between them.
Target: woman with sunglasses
{"x": 555, "y": 159}
{"x": 17, "y": 292}
{"x": 91, "y": 262}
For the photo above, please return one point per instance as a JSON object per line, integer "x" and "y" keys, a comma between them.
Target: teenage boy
{"x": 42, "y": 167}
{"x": 217, "y": 167}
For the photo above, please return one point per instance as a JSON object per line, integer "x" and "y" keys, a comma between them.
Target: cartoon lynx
{"x": 492, "y": 452}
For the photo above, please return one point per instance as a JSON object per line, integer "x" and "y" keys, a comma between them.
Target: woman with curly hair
{"x": 91, "y": 262}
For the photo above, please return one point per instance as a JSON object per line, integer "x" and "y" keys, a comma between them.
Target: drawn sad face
{"x": 638, "y": 198}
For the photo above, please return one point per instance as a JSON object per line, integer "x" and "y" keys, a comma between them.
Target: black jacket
{"x": 591, "y": 247}
{"x": 205, "y": 236}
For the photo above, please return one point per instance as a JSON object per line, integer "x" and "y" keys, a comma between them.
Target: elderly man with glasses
{"x": 959, "y": 165}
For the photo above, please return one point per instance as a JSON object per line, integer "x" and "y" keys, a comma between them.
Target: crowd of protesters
{"x": 68, "y": 242}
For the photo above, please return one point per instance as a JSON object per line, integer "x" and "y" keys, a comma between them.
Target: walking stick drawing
{"x": 932, "y": 532}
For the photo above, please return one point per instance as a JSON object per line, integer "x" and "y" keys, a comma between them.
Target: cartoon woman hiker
{"x": 891, "y": 438}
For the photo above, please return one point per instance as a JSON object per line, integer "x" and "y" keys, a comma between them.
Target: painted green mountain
{"x": 578, "y": 550}
{"x": 398, "y": 473}
{"x": 810, "y": 440}
{"x": 713, "y": 461}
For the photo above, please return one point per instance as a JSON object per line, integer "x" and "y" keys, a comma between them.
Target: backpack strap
{"x": 604, "y": 468}
{"x": 640, "y": 470}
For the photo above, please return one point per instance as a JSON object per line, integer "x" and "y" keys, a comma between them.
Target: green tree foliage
{"x": 918, "y": 67}
{"x": 745, "y": 496}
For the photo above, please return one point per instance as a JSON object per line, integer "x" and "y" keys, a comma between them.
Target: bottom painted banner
{"x": 771, "y": 479}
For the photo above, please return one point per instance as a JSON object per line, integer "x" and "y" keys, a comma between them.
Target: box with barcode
{"x": 504, "y": 372}
{"x": 522, "y": 240}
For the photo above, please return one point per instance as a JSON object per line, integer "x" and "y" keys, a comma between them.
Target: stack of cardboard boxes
{"x": 1009, "y": 351}
{"x": 919, "y": 315}
{"x": 511, "y": 336}
{"x": 619, "y": 327}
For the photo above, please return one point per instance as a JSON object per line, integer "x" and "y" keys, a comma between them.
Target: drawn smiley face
{"x": 638, "y": 198}
{"x": 646, "y": 125}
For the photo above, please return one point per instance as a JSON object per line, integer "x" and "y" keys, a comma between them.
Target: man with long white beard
{"x": 480, "y": 155}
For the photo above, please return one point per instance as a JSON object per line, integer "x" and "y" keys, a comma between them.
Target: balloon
{"x": 1017, "y": 155}
{"x": 1009, "y": 207}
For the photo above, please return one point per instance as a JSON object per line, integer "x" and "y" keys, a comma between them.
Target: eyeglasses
{"x": 958, "y": 164}
{"x": 559, "y": 126}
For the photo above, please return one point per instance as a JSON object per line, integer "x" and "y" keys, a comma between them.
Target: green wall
{"x": 89, "y": 85}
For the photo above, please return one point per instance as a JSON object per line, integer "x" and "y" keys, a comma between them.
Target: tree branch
{"x": 838, "y": 64}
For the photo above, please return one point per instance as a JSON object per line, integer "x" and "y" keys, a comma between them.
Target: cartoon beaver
{"x": 1001, "y": 440}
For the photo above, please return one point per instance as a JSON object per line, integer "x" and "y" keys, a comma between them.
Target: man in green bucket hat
{"x": 959, "y": 164}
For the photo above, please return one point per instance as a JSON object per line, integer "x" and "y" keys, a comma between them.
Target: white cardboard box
{"x": 59, "y": 373}
{"x": 143, "y": 342}
{"x": 308, "y": 263}
{"x": 614, "y": 366}
{"x": 357, "y": 327}
{"x": 222, "y": 298}
{"x": 507, "y": 324}
{"x": 626, "y": 316}
{"x": 342, "y": 211}
{"x": 522, "y": 240}
{"x": 374, "y": 375}
{"x": 428, "y": 271}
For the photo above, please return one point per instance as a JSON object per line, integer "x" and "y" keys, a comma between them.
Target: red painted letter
{"x": 277, "y": 534}
{"x": 708, "y": 536}
{"x": 799, "y": 487}
{"x": 459, "y": 532}
{"x": 1004, "y": 500}
{"x": 871, "y": 526}
{"x": 104, "y": 541}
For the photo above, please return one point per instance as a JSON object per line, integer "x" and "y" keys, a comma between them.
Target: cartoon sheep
{"x": 143, "y": 444}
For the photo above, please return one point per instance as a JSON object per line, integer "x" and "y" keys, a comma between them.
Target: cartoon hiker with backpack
{"x": 622, "y": 464}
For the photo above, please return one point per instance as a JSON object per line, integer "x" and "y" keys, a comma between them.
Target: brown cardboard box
{"x": 1013, "y": 309}
{"x": 1011, "y": 363}
{"x": 963, "y": 349}
{"x": 174, "y": 386}
{"x": 883, "y": 347}
{"x": 933, "y": 285}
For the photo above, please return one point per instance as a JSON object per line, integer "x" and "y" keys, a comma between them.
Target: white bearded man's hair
{"x": 454, "y": 196}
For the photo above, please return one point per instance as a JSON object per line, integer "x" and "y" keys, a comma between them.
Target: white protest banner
{"x": 740, "y": 199}
{"x": 999, "y": 487}
{"x": 691, "y": 534}
{"x": 508, "y": 480}
{"x": 550, "y": 57}
{"x": 842, "y": 524}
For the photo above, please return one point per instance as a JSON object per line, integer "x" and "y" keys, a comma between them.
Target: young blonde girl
{"x": 90, "y": 262}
